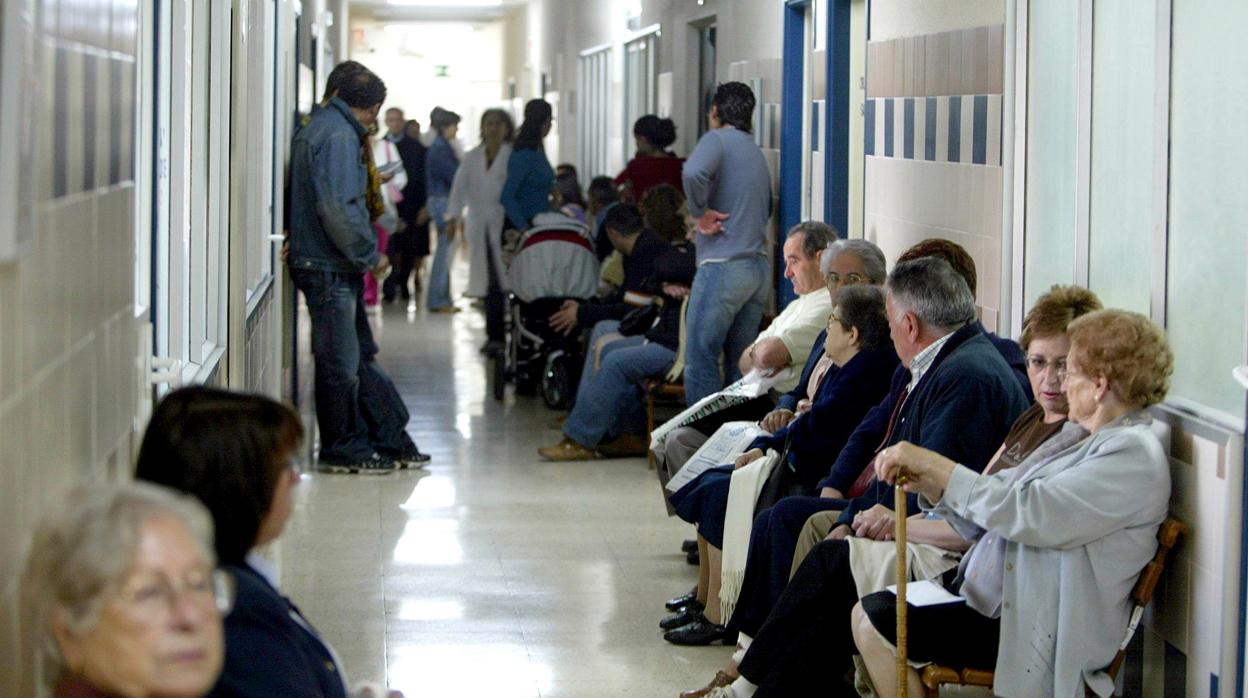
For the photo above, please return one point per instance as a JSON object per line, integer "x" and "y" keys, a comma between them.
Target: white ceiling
{"x": 432, "y": 10}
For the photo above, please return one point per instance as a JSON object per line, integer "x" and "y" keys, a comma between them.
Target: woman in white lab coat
{"x": 478, "y": 186}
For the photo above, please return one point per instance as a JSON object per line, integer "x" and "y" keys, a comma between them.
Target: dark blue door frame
{"x": 1243, "y": 575}
{"x": 836, "y": 126}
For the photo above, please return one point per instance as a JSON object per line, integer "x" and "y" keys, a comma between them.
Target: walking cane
{"x": 899, "y": 507}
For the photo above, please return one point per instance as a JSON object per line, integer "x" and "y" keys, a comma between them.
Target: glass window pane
{"x": 1052, "y": 99}
{"x": 1120, "y": 249}
{"x": 1208, "y": 167}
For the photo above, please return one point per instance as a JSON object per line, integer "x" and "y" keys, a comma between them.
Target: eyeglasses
{"x": 154, "y": 598}
{"x": 1039, "y": 364}
{"x": 835, "y": 279}
{"x": 834, "y": 318}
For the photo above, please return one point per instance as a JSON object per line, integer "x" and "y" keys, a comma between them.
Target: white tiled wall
{"x": 909, "y": 200}
{"x": 68, "y": 337}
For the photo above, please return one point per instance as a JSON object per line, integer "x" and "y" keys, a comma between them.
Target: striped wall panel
{"x": 966, "y": 61}
{"x": 957, "y": 128}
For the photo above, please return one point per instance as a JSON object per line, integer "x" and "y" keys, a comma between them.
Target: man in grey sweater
{"x": 728, "y": 189}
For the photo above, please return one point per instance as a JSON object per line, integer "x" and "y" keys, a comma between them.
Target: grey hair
{"x": 932, "y": 290}
{"x": 816, "y": 236}
{"x": 871, "y": 256}
{"x": 82, "y": 550}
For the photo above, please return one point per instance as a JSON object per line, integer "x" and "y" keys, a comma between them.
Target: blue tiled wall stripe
{"x": 955, "y": 129}
{"x": 814, "y": 126}
{"x": 979, "y": 134}
{"x": 114, "y": 121}
{"x": 869, "y": 125}
{"x": 925, "y": 126}
{"x": 60, "y": 125}
{"x": 888, "y": 127}
{"x": 90, "y": 85}
{"x": 907, "y": 149}
{"x": 929, "y": 130}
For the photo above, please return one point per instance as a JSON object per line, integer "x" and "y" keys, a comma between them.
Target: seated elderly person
{"x": 121, "y": 587}
{"x": 1042, "y": 568}
{"x": 842, "y": 263}
{"x": 234, "y": 452}
{"x": 804, "y": 647}
{"x": 854, "y": 372}
{"x": 609, "y": 405}
{"x": 956, "y": 395}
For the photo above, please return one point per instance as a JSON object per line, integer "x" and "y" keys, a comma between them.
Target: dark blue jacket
{"x": 527, "y": 190}
{"x": 638, "y": 277}
{"x": 268, "y": 652}
{"x": 789, "y": 400}
{"x": 1013, "y": 355}
{"x": 440, "y": 166}
{"x": 330, "y": 228}
{"x": 962, "y": 409}
{"x": 843, "y": 398}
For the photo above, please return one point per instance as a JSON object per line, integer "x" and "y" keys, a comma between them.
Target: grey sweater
{"x": 728, "y": 173}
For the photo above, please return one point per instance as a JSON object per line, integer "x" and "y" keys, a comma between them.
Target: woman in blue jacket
{"x": 234, "y": 453}
{"x": 441, "y": 163}
{"x": 529, "y": 174}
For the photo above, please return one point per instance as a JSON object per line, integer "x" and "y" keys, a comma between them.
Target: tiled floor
{"x": 493, "y": 574}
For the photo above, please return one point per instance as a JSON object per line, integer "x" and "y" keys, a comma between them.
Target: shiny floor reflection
{"x": 492, "y": 574}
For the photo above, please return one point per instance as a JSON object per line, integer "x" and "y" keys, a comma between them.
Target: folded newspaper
{"x": 752, "y": 385}
{"x": 728, "y": 442}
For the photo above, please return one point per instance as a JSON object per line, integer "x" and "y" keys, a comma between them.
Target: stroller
{"x": 549, "y": 263}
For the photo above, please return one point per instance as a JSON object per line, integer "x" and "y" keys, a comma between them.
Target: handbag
{"x": 641, "y": 319}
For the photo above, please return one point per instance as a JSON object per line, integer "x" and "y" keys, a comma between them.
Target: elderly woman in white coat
{"x": 478, "y": 187}
{"x": 1059, "y": 544}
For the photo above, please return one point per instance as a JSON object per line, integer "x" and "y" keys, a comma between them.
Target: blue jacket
{"x": 962, "y": 409}
{"x": 269, "y": 649}
{"x": 440, "y": 166}
{"x": 330, "y": 228}
{"x": 843, "y": 398}
{"x": 789, "y": 400}
{"x": 527, "y": 190}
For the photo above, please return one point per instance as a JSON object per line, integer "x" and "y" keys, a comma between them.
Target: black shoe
{"x": 699, "y": 632}
{"x": 680, "y": 602}
{"x": 492, "y": 348}
{"x": 693, "y": 558}
{"x": 375, "y": 464}
{"x": 410, "y": 459}
{"x": 684, "y": 617}
{"x": 689, "y": 546}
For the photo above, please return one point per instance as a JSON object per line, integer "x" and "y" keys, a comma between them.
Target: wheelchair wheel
{"x": 559, "y": 380}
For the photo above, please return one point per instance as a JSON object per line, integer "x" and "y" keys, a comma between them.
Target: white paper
{"x": 926, "y": 593}
{"x": 728, "y": 442}
{"x": 752, "y": 385}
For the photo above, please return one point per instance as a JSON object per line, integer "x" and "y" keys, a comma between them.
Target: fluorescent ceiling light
{"x": 446, "y": 3}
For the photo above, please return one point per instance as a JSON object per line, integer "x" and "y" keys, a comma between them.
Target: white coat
{"x": 391, "y": 192}
{"x": 478, "y": 189}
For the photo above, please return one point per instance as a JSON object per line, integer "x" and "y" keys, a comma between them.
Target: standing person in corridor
{"x": 441, "y": 163}
{"x": 362, "y": 418}
{"x": 728, "y": 190}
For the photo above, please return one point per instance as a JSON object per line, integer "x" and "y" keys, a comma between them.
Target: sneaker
{"x": 375, "y": 464}
{"x": 411, "y": 459}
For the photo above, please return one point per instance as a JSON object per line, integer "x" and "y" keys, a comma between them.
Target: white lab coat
{"x": 479, "y": 190}
{"x": 391, "y": 192}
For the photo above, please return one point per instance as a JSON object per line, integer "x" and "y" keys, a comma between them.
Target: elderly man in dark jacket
{"x": 332, "y": 245}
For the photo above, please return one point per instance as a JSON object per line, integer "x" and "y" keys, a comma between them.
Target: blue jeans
{"x": 612, "y": 399}
{"x": 439, "y": 294}
{"x": 601, "y": 329}
{"x": 725, "y": 308}
{"x": 358, "y": 409}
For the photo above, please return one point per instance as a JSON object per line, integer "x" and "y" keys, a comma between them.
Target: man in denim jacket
{"x": 332, "y": 245}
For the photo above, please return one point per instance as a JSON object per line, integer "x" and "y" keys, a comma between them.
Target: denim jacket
{"x": 329, "y": 222}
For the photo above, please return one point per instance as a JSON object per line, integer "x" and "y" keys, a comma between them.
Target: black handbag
{"x": 641, "y": 319}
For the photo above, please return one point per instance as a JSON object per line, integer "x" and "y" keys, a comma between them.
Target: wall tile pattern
{"x": 964, "y": 61}
{"x": 957, "y": 128}
{"x": 68, "y": 339}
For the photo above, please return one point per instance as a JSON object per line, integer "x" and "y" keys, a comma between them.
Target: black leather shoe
{"x": 688, "y": 546}
{"x": 699, "y": 632}
{"x": 693, "y": 558}
{"x": 680, "y": 602}
{"x": 683, "y": 617}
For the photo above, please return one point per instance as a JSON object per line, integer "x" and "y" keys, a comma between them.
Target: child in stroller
{"x": 549, "y": 263}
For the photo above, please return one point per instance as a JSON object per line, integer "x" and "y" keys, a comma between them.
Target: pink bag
{"x": 371, "y": 285}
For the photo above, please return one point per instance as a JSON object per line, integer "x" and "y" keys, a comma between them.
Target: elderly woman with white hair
{"x": 126, "y": 601}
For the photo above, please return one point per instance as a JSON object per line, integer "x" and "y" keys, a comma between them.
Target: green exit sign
{"x": 441, "y": 71}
